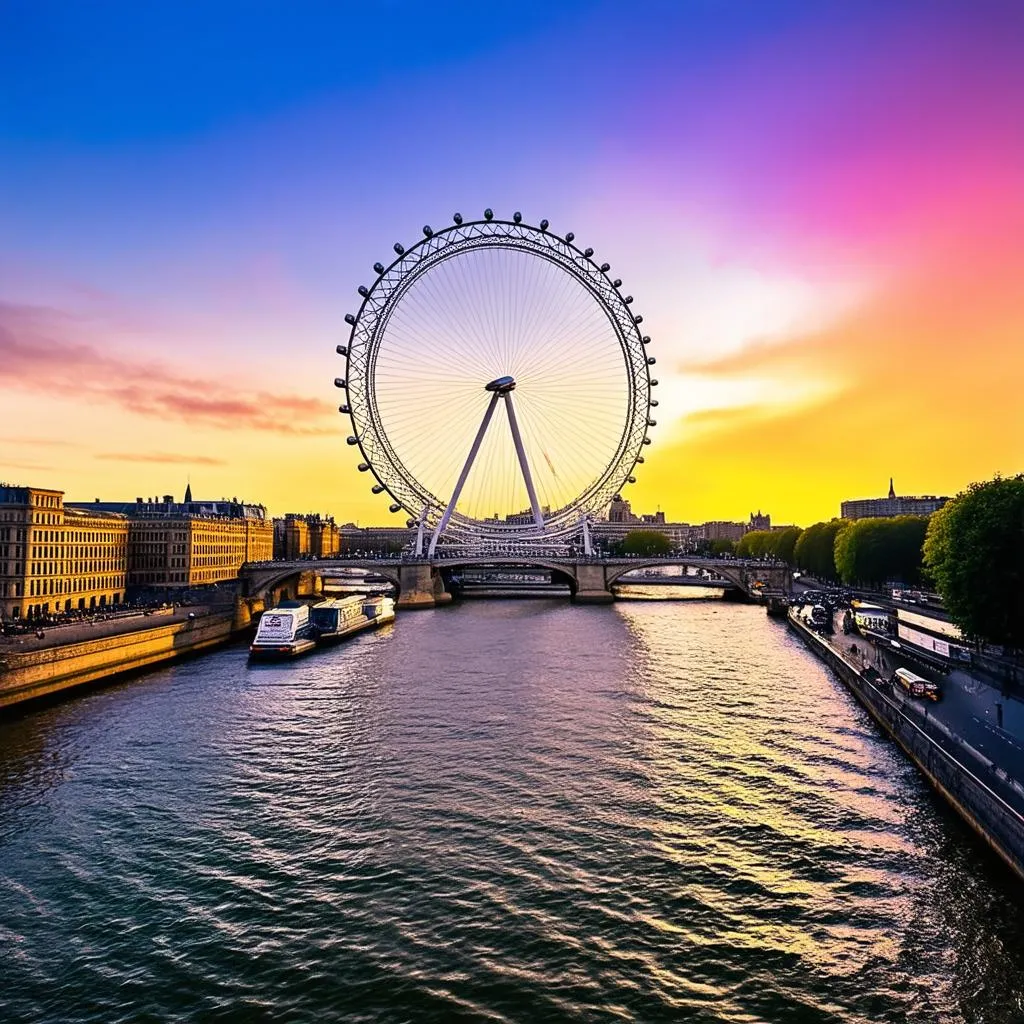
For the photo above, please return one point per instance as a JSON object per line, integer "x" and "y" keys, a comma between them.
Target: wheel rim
{"x": 474, "y": 302}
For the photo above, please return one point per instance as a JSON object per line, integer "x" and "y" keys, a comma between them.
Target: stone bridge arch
{"x": 733, "y": 575}
{"x": 262, "y": 583}
{"x": 565, "y": 570}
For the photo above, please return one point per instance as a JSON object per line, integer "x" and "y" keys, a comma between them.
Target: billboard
{"x": 929, "y": 622}
{"x": 926, "y": 641}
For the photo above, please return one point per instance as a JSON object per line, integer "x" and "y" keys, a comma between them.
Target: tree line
{"x": 971, "y": 551}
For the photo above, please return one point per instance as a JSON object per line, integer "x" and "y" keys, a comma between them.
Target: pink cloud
{"x": 39, "y": 352}
{"x": 167, "y": 458}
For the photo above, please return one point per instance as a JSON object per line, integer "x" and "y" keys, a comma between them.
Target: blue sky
{"x": 191, "y": 192}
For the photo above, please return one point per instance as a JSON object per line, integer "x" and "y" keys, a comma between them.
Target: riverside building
{"x": 55, "y": 558}
{"x": 874, "y": 508}
{"x": 720, "y": 529}
{"x": 175, "y": 546}
{"x": 306, "y": 536}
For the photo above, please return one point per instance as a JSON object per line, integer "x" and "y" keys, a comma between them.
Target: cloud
{"x": 40, "y": 351}
{"x": 922, "y": 383}
{"x": 25, "y": 465}
{"x": 161, "y": 457}
{"x": 39, "y": 442}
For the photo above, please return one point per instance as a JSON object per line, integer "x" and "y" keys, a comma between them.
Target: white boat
{"x": 335, "y": 619}
{"x": 284, "y": 632}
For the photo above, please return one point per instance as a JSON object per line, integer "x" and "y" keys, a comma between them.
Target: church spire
{"x": 892, "y": 492}
{"x": 188, "y": 492}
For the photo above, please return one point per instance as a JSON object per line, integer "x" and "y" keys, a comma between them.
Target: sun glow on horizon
{"x": 821, "y": 218}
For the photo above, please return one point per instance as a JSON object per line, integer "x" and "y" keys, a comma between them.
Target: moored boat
{"x": 284, "y": 632}
{"x": 335, "y": 619}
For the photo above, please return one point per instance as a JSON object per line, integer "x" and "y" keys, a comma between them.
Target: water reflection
{"x": 505, "y": 810}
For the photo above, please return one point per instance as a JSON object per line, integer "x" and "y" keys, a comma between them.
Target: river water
{"x": 502, "y": 811}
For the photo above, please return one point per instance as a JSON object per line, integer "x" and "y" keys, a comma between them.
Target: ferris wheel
{"x": 489, "y": 313}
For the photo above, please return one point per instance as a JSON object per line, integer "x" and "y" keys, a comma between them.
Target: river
{"x": 502, "y": 811}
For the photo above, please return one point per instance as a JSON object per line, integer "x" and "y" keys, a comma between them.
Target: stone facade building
{"x": 723, "y": 530}
{"x": 55, "y": 558}
{"x": 177, "y": 545}
{"x": 874, "y": 508}
{"x": 759, "y": 521}
{"x": 306, "y": 536}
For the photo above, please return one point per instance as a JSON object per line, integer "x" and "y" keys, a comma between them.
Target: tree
{"x": 769, "y": 544}
{"x": 785, "y": 544}
{"x": 872, "y": 551}
{"x": 756, "y": 544}
{"x": 814, "y": 549}
{"x": 974, "y": 552}
{"x": 721, "y": 547}
{"x": 645, "y": 542}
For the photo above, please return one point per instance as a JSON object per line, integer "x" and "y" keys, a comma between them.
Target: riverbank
{"x": 63, "y": 661}
{"x": 980, "y": 791}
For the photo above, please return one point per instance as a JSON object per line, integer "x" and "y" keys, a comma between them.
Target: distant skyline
{"x": 819, "y": 207}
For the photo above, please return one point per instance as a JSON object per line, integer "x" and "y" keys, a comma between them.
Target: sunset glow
{"x": 818, "y": 206}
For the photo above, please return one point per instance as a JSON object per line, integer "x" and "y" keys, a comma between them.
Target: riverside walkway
{"x": 84, "y": 630}
{"x": 977, "y": 721}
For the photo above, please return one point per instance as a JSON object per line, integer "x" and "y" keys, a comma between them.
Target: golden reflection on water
{"x": 765, "y": 747}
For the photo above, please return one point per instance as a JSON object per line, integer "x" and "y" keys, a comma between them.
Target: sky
{"x": 819, "y": 207}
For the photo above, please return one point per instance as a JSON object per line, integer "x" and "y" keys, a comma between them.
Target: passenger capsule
{"x": 605, "y": 267}
{"x": 654, "y": 382}
{"x": 377, "y": 488}
{"x": 517, "y": 217}
{"x": 395, "y": 507}
{"x": 628, "y": 299}
{"x": 399, "y": 248}
{"x": 640, "y": 459}
{"x": 569, "y": 236}
{"x": 342, "y": 350}
{"x": 543, "y": 225}
{"x": 350, "y": 319}
{"x": 427, "y": 230}
{"x": 654, "y": 403}
{"x": 631, "y": 479}
{"x": 340, "y": 382}
{"x": 651, "y": 360}
{"x": 378, "y": 267}
{"x": 351, "y": 439}
{"x": 363, "y": 467}
{"x": 638, "y": 319}
{"x": 617, "y": 283}
{"x": 488, "y": 214}
{"x": 588, "y": 252}
{"x": 651, "y": 422}
{"x": 645, "y": 340}
{"x": 647, "y": 440}
{"x": 344, "y": 409}
{"x": 363, "y": 290}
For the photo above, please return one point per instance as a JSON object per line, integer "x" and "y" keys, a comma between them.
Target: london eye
{"x": 485, "y": 314}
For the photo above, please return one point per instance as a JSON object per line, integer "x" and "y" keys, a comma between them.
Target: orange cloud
{"x": 167, "y": 458}
{"x": 37, "y": 355}
{"x": 929, "y": 373}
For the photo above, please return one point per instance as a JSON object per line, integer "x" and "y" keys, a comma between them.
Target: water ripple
{"x": 503, "y": 812}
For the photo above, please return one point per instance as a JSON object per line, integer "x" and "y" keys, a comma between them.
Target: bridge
{"x": 423, "y": 582}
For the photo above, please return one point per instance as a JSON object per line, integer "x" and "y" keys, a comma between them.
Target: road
{"x": 977, "y": 722}
{"x": 77, "y": 632}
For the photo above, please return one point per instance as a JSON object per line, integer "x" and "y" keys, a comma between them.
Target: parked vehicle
{"x": 915, "y": 685}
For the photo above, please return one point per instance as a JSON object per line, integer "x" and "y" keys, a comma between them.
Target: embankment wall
{"x": 998, "y": 823}
{"x": 29, "y": 675}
